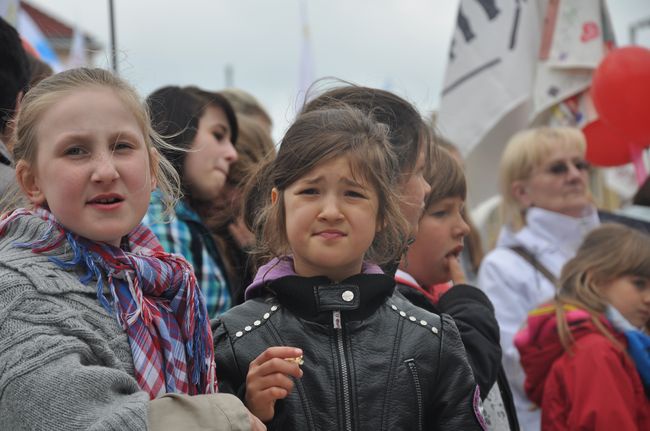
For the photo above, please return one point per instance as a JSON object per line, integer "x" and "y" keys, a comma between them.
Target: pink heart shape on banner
{"x": 590, "y": 31}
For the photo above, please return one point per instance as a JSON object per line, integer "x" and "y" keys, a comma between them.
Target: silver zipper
{"x": 338, "y": 330}
{"x": 418, "y": 388}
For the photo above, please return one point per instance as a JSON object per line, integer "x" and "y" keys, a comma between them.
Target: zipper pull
{"x": 336, "y": 319}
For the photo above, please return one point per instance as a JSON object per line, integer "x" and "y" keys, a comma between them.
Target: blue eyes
{"x": 74, "y": 151}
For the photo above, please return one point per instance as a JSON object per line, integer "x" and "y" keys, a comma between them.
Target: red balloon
{"x": 604, "y": 146}
{"x": 621, "y": 92}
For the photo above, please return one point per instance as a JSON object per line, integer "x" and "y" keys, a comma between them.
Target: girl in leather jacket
{"x": 323, "y": 340}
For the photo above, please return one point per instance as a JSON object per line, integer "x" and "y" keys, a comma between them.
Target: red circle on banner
{"x": 621, "y": 90}
{"x": 604, "y": 146}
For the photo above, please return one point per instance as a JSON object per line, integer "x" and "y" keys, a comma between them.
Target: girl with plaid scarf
{"x": 100, "y": 327}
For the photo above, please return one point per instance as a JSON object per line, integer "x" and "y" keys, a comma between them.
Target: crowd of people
{"x": 164, "y": 266}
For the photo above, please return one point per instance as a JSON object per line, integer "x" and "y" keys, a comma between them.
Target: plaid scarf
{"x": 153, "y": 295}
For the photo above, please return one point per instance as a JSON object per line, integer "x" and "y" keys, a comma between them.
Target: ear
{"x": 154, "y": 157}
{"x": 28, "y": 182}
{"x": 519, "y": 190}
{"x": 275, "y": 194}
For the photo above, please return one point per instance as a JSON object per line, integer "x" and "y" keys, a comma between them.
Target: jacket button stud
{"x": 434, "y": 330}
{"x": 239, "y": 334}
{"x": 347, "y": 296}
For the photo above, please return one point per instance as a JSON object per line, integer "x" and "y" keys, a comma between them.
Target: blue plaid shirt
{"x": 184, "y": 233}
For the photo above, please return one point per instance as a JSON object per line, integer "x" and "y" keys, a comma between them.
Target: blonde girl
{"x": 586, "y": 356}
{"x": 100, "y": 328}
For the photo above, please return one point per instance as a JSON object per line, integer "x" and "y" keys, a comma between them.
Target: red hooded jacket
{"x": 595, "y": 387}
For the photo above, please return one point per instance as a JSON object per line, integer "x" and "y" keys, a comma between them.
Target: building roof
{"x": 56, "y": 31}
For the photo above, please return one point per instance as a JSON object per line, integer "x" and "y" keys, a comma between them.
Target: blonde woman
{"x": 547, "y": 210}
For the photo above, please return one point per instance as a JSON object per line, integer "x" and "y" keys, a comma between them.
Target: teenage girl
{"x": 361, "y": 357}
{"x": 100, "y": 328}
{"x": 201, "y": 129}
{"x": 430, "y": 275}
{"x": 586, "y": 356}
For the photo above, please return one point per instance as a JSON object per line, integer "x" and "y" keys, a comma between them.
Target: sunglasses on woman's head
{"x": 562, "y": 167}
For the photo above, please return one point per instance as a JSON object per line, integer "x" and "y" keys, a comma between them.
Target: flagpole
{"x": 111, "y": 11}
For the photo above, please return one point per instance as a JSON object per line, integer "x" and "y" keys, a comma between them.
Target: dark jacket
{"x": 387, "y": 365}
{"x": 473, "y": 314}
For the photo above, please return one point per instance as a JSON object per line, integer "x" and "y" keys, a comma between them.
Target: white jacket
{"x": 515, "y": 287}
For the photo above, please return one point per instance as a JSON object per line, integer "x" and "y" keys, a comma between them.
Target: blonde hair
{"x": 49, "y": 91}
{"x": 608, "y": 252}
{"x": 246, "y": 104}
{"x": 525, "y": 152}
{"x": 317, "y": 137}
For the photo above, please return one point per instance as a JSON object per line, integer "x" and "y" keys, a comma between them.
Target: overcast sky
{"x": 400, "y": 45}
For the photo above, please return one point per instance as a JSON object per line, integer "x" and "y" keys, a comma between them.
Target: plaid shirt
{"x": 184, "y": 233}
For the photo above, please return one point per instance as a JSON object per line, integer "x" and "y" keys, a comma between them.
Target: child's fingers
{"x": 456, "y": 271}
{"x": 262, "y": 382}
{"x": 262, "y": 404}
{"x": 282, "y": 352}
{"x": 269, "y": 379}
{"x": 275, "y": 365}
{"x": 261, "y": 398}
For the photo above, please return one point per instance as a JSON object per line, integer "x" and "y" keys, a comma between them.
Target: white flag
{"x": 491, "y": 69}
{"x": 489, "y": 82}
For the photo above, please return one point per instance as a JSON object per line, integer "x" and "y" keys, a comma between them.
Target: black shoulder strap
{"x": 530, "y": 258}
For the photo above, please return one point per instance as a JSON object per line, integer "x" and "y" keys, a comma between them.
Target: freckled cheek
{"x": 137, "y": 174}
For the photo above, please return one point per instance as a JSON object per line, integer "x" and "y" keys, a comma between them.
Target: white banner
{"x": 491, "y": 69}
{"x": 511, "y": 64}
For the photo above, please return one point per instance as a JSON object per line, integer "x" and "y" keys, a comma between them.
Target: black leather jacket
{"x": 473, "y": 314}
{"x": 372, "y": 360}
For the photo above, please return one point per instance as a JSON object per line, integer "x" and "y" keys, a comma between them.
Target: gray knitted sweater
{"x": 65, "y": 363}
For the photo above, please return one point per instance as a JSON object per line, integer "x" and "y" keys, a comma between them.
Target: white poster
{"x": 491, "y": 69}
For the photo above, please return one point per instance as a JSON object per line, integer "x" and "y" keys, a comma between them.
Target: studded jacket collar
{"x": 314, "y": 298}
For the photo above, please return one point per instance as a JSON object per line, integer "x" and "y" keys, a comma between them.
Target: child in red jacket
{"x": 586, "y": 356}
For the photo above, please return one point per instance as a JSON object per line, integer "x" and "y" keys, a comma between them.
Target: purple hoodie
{"x": 281, "y": 267}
